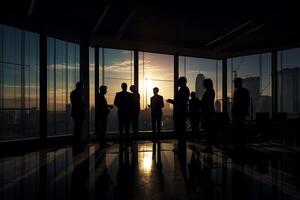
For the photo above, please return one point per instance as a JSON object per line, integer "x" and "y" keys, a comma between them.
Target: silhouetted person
{"x": 156, "y": 105}
{"x": 208, "y": 111}
{"x": 240, "y": 108}
{"x": 78, "y": 112}
{"x": 180, "y": 111}
{"x": 194, "y": 114}
{"x": 102, "y": 112}
{"x": 123, "y": 101}
{"x": 135, "y": 109}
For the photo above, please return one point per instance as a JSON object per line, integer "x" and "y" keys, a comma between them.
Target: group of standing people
{"x": 128, "y": 105}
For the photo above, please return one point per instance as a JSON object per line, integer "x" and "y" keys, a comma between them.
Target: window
{"x": 92, "y": 88}
{"x": 116, "y": 67}
{"x": 62, "y": 75}
{"x": 198, "y": 69}
{"x": 156, "y": 70}
{"x": 255, "y": 70}
{"x": 289, "y": 81}
{"x": 19, "y": 83}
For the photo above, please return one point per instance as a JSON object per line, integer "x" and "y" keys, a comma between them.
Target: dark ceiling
{"x": 214, "y": 29}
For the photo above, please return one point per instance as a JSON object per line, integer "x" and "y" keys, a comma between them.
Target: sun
{"x": 149, "y": 85}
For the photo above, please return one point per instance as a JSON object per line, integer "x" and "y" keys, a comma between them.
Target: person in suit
{"x": 135, "y": 109}
{"x": 180, "y": 103}
{"x": 102, "y": 112}
{"x": 208, "y": 111}
{"x": 156, "y": 105}
{"x": 123, "y": 100}
{"x": 78, "y": 112}
{"x": 194, "y": 114}
{"x": 240, "y": 108}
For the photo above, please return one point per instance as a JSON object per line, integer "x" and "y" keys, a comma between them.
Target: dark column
{"x": 43, "y": 86}
{"x": 102, "y": 66}
{"x": 84, "y": 78}
{"x": 97, "y": 64}
{"x": 274, "y": 82}
{"x": 97, "y": 67}
{"x": 176, "y": 73}
{"x": 136, "y": 68}
{"x": 224, "y": 92}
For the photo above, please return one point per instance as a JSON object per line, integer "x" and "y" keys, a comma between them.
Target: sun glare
{"x": 147, "y": 161}
{"x": 149, "y": 85}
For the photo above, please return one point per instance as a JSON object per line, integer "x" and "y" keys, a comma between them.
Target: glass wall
{"x": 116, "y": 67}
{"x": 19, "y": 83}
{"x": 255, "y": 70}
{"x": 289, "y": 81}
{"x": 198, "y": 69}
{"x": 62, "y": 75}
{"x": 156, "y": 70}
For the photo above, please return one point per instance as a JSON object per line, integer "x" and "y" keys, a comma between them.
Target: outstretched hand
{"x": 170, "y": 101}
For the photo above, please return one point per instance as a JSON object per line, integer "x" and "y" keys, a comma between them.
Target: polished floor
{"x": 147, "y": 170}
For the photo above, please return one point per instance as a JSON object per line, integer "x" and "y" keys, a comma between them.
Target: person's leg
{"x": 197, "y": 129}
{"x": 102, "y": 130}
{"x": 153, "y": 123}
{"x": 181, "y": 131}
{"x": 211, "y": 131}
{"x": 98, "y": 129}
{"x": 193, "y": 126}
{"x": 136, "y": 124}
{"x": 158, "y": 125}
{"x": 127, "y": 127}
{"x": 77, "y": 131}
{"x": 238, "y": 132}
{"x": 242, "y": 133}
{"x": 207, "y": 129}
{"x": 121, "y": 124}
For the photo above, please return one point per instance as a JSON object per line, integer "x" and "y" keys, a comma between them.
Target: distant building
{"x": 289, "y": 90}
{"x": 199, "y": 85}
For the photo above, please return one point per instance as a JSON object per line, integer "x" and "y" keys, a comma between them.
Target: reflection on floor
{"x": 146, "y": 170}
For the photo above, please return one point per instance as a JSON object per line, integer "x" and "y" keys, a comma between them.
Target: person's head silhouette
{"x": 103, "y": 89}
{"x": 193, "y": 95}
{"x": 124, "y": 87}
{"x": 208, "y": 84}
{"x": 238, "y": 83}
{"x": 182, "y": 81}
{"x": 155, "y": 90}
{"x": 79, "y": 86}
{"x": 133, "y": 88}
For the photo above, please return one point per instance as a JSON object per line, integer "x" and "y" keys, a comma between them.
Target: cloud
{"x": 60, "y": 66}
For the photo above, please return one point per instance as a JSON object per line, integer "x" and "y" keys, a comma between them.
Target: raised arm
{"x": 171, "y": 101}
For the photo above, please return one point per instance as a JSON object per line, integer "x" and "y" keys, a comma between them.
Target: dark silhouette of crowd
{"x": 196, "y": 110}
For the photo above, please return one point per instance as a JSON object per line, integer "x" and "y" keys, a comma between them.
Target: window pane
{"x": 289, "y": 81}
{"x": 255, "y": 70}
{"x": 92, "y": 88}
{"x": 19, "y": 83}
{"x": 156, "y": 70}
{"x": 118, "y": 69}
{"x": 62, "y": 73}
{"x": 198, "y": 69}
